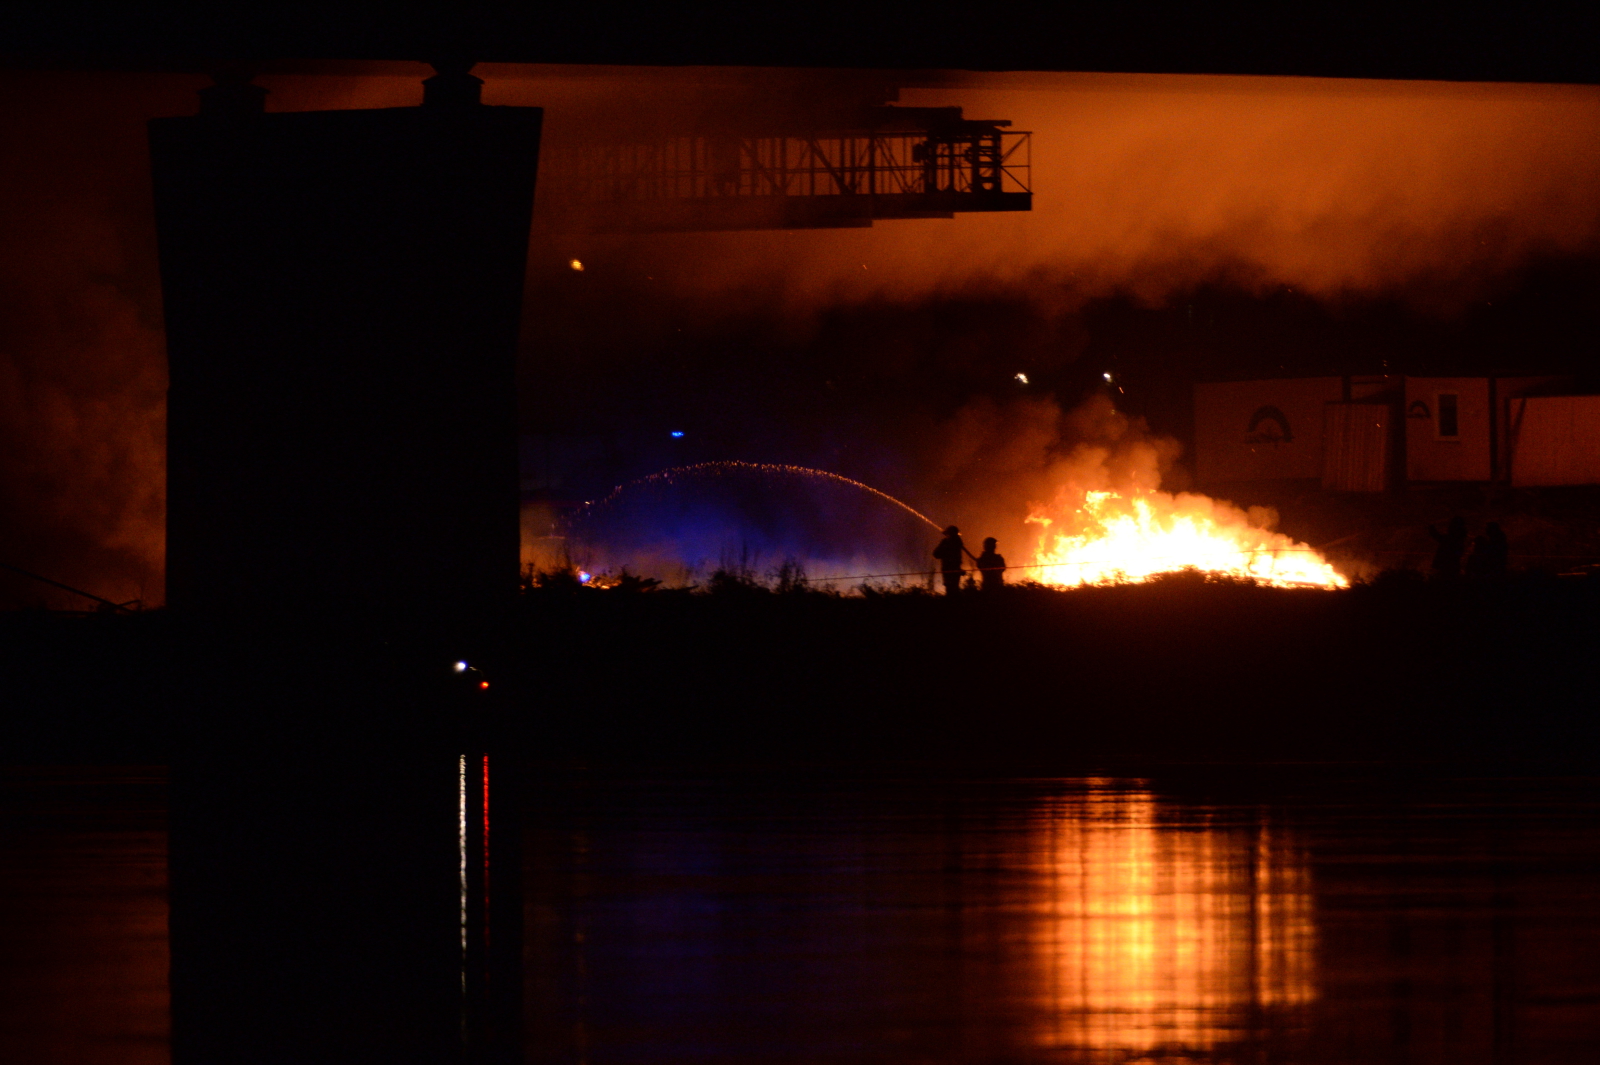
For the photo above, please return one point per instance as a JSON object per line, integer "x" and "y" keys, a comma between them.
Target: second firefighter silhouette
{"x": 992, "y": 565}
{"x": 1452, "y": 544}
{"x": 949, "y": 553}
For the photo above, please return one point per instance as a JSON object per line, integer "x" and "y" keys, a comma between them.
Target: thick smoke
{"x": 1001, "y": 462}
{"x": 82, "y": 372}
{"x": 835, "y": 349}
{"x": 1431, "y": 197}
{"x": 1151, "y": 185}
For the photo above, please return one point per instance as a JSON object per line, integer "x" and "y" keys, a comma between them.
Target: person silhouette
{"x": 1452, "y": 544}
{"x": 992, "y": 565}
{"x": 1477, "y": 562}
{"x": 1497, "y": 551}
{"x": 949, "y": 554}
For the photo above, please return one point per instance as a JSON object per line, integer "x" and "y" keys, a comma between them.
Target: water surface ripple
{"x": 1200, "y": 916}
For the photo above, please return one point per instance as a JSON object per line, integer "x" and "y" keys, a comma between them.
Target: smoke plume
{"x": 1001, "y": 462}
{"x": 881, "y": 353}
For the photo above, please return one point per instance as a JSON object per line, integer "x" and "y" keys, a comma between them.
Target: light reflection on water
{"x": 83, "y": 916}
{"x": 1154, "y": 936}
{"x": 1050, "y": 921}
{"x": 1333, "y": 917}
{"x": 757, "y": 921}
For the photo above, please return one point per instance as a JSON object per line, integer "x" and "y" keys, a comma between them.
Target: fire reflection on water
{"x": 1157, "y": 938}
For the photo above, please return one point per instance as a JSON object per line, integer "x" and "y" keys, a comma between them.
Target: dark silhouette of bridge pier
{"x": 343, "y": 291}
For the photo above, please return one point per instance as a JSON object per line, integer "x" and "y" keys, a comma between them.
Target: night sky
{"x": 1185, "y": 228}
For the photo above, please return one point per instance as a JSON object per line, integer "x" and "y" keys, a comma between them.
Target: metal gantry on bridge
{"x": 899, "y": 162}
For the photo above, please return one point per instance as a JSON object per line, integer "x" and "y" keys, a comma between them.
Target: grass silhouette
{"x": 767, "y": 668}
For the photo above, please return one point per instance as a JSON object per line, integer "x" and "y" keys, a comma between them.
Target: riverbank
{"x": 1180, "y": 669}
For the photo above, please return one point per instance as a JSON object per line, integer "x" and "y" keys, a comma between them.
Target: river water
{"x": 1315, "y": 915}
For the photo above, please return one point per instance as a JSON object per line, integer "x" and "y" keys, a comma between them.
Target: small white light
{"x": 1022, "y": 378}
{"x": 1106, "y": 376}
{"x": 461, "y": 667}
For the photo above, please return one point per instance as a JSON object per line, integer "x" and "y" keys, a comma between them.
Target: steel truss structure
{"x": 903, "y": 163}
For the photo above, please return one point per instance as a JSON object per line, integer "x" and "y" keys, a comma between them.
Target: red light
{"x": 483, "y": 684}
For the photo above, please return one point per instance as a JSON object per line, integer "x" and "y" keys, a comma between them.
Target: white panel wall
{"x": 1555, "y": 440}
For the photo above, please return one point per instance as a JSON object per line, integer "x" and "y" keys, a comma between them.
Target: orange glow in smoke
{"x": 1109, "y": 538}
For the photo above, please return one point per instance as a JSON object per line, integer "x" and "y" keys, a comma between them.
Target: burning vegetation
{"x": 1190, "y": 227}
{"x": 1112, "y": 538}
{"x": 1106, "y": 521}
{"x": 1096, "y": 497}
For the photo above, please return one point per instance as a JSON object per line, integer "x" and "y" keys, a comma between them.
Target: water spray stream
{"x": 667, "y": 476}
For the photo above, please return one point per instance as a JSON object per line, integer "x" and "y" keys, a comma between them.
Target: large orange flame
{"x": 1108, "y": 538}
